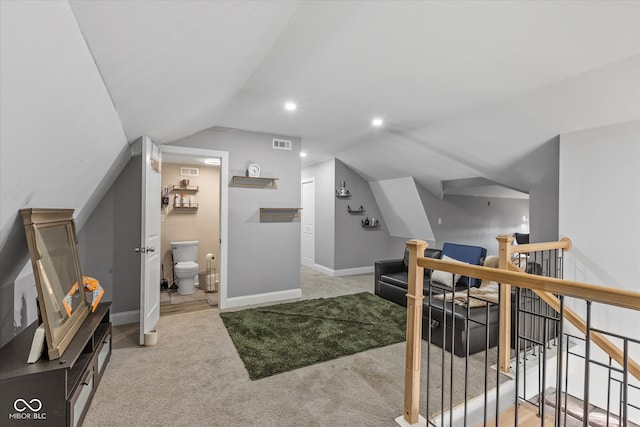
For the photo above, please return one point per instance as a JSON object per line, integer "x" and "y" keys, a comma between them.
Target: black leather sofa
{"x": 391, "y": 277}
{"x": 445, "y": 321}
{"x": 391, "y": 282}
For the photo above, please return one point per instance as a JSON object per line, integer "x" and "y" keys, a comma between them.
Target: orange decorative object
{"x": 92, "y": 285}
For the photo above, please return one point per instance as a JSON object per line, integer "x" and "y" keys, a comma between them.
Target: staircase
{"x": 552, "y": 348}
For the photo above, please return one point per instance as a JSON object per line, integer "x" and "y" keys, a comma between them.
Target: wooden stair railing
{"x": 546, "y": 287}
{"x": 576, "y": 320}
{"x": 597, "y": 338}
{"x": 414, "y": 332}
{"x": 505, "y": 252}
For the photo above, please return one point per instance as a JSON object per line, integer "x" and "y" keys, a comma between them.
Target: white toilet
{"x": 185, "y": 266}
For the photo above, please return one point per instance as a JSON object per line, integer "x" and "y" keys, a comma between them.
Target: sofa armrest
{"x": 386, "y": 267}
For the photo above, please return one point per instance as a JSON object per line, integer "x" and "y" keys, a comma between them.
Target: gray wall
{"x": 544, "y": 193}
{"x": 14, "y": 292}
{"x": 599, "y": 209}
{"x": 324, "y": 176}
{"x": 107, "y": 241}
{"x": 263, "y": 256}
{"x": 355, "y": 245}
{"x": 473, "y": 220}
{"x": 74, "y": 115}
{"x": 341, "y": 243}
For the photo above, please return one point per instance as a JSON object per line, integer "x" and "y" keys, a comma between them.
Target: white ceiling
{"x": 467, "y": 89}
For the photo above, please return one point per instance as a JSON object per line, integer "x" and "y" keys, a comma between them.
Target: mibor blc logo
{"x": 28, "y": 410}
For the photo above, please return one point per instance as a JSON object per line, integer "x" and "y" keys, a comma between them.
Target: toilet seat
{"x": 184, "y": 266}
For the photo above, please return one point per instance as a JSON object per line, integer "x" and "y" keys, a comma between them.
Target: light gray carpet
{"x": 194, "y": 377}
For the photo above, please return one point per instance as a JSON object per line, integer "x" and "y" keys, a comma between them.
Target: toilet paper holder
{"x": 211, "y": 279}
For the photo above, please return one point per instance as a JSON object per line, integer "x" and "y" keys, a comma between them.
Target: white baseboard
{"x": 343, "y": 272}
{"x": 322, "y": 269}
{"x": 263, "y": 298}
{"x": 125, "y": 317}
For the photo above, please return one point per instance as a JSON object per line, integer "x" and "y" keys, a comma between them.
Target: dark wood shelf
{"x": 376, "y": 225}
{"x": 253, "y": 182}
{"x": 279, "y": 213}
{"x": 187, "y": 188}
{"x": 64, "y": 386}
{"x": 191, "y": 208}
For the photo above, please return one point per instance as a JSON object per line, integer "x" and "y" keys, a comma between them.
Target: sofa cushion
{"x": 400, "y": 279}
{"x": 470, "y": 254}
{"x": 444, "y": 277}
{"x": 477, "y": 315}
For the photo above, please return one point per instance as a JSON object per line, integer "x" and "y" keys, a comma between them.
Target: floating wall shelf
{"x": 343, "y": 193}
{"x": 253, "y": 182}
{"x": 279, "y": 213}
{"x": 356, "y": 211}
{"x": 187, "y": 188}
{"x": 367, "y": 224}
{"x": 189, "y": 208}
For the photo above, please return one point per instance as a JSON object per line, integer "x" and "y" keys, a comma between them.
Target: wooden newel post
{"x": 504, "y": 257}
{"x": 414, "y": 332}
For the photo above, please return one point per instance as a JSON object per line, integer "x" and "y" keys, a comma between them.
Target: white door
{"x": 308, "y": 222}
{"x": 150, "y": 240}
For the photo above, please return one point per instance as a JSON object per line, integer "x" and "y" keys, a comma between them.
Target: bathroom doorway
{"x": 194, "y": 209}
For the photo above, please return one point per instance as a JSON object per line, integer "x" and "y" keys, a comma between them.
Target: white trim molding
{"x": 264, "y": 298}
{"x": 344, "y": 272}
{"x": 125, "y": 317}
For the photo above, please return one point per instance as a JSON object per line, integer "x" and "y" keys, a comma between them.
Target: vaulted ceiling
{"x": 466, "y": 89}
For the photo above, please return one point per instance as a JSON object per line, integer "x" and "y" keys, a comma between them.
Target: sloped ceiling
{"x": 174, "y": 67}
{"x": 402, "y": 208}
{"x": 60, "y": 135}
{"x": 466, "y": 89}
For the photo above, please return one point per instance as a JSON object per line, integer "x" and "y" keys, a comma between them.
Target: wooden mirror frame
{"x": 47, "y": 277}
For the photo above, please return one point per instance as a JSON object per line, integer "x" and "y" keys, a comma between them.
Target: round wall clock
{"x": 253, "y": 170}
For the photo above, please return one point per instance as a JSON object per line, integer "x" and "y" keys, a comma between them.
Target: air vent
{"x": 189, "y": 171}
{"x": 281, "y": 144}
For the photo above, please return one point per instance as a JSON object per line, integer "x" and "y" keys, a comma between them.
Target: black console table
{"x": 54, "y": 392}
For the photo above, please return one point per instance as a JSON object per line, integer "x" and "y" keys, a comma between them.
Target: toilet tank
{"x": 185, "y": 251}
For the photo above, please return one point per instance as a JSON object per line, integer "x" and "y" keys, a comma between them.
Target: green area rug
{"x": 279, "y": 338}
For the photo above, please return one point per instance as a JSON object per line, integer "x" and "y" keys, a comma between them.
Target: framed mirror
{"x": 52, "y": 240}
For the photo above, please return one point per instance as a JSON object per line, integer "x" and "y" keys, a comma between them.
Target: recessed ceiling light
{"x": 212, "y": 161}
{"x": 303, "y": 154}
{"x": 290, "y": 106}
{"x": 377, "y": 122}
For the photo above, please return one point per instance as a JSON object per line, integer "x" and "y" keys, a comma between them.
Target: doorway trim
{"x": 310, "y": 180}
{"x": 224, "y": 206}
